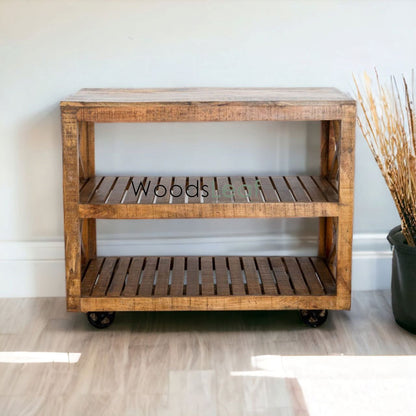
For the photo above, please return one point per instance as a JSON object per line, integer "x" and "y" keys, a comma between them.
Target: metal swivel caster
{"x": 314, "y": 318}
{"x": 101, "y": 320}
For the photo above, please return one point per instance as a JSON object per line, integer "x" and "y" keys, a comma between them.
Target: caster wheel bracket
{"x": 314, "y": 317}
{"x": 101, "y": 320}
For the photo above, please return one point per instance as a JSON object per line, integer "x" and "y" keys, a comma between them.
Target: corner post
{"x": 346, "y": 200}
{"x": 72, "y": 233}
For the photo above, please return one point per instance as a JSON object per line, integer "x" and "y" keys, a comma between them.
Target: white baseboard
{"x": 36, "y": 268}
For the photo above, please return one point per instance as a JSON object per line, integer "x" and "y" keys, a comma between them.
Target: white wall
{"x": 49, "y": 49}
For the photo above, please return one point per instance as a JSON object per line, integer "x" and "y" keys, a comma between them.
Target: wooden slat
{"x": 162, "y": 280}
{"x": 118, "y": 190}
{"x": 224, "y": 190}
{"x": 266, "y": 276}
{"x": 194, "y": 190}
{"x": 178, "y": 189}
{"x": 178, "y": 277}
{"x": 90, "y": 277}
{"x": 296, "y": 276}
{"x": 239, "y": 192}
{"x": 297, "y": 189}
{"x": 146, "y": 285}
{"x": 312, "y": 189}
{"x": 89, "y": 188}
{"x": 192, "y": 276}
{"x": 221, "y": 275}
{"x": 101, "y": 193}
{"x": 253, "y": 189}
{"x": 106, "y": 274}
{"x": 134, "y": 191}
{"x": 163, "y": 190}
{"x": 236, "y": 275}
{"x": 148, "y": 193}
{"x": 133, "y": 278}
{"x": 282, "y": 189}
{"x": 308, "y": 271}
{"x": 282, "y": 278}
{"x": 207, "y": 277}
{"x": 267, "y": 188}
{"x": 327, "y": 188}
{"x": 117, "y": 283}
{"x": 209, "y": 187}
{"x": 253, "y": 284}
{"x": 324, "y": 275}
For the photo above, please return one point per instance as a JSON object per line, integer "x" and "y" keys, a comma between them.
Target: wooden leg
{"x": 325, "y": 125}
{"x": 71, "y": 200}
{"x": 87, "y": 170}
{"x": 335, "y": 234}
{"x": 330, "y": 139}
{"x": 346, "y": 199}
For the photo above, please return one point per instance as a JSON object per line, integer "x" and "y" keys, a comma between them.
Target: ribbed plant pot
{"x": 403, "y": 280}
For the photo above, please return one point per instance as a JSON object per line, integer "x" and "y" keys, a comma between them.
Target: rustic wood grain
{"x": 346, "y": 199}
{"x": 208, "y": 104}
{"x": 115, "y": 96}
{"x": 71, "y": 185}
{"x": 208, "y": 283}
{"x": 99, "y": 201}
{"x": 256, "y": 278}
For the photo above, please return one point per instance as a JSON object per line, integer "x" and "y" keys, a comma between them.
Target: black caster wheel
{"x": 314, "y": 318}
{"x": 101, "y": 320}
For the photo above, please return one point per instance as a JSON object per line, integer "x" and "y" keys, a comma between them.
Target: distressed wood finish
{"x": 97, "y": 97}
{"x": 289, "y": 196}
{"x": 208, "y": 283}
{"x": 208, "y": 104}
{"x": 343, "y": 239}
{"x": 159, "y": 280}
{"x": 72, "y": 224}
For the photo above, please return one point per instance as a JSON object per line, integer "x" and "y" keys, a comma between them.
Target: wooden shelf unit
{"x": 208, "y": 283}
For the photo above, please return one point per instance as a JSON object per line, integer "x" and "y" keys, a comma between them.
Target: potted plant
{"x": 388, "y": 123}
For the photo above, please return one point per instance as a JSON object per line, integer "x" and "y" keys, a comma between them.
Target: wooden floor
{"x": 205, "y": 363}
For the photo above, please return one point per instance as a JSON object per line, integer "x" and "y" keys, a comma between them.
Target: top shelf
{"x": 207, "y": 104}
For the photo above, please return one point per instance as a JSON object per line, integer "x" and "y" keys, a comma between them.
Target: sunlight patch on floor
{"x": 26, "y": 357}
{"x": 345, "y": 385}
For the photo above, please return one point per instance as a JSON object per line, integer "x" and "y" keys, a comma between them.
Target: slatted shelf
{"x": 204, "y": 278}
{"x": 220, "y": 196}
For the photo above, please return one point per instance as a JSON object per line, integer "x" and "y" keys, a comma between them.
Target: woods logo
{"x": 195, "y": 190}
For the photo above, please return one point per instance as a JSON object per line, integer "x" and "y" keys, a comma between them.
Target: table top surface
{"x": 283, "y": 96}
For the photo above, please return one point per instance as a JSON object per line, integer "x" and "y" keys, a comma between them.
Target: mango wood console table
{"x": 102, "y": 285}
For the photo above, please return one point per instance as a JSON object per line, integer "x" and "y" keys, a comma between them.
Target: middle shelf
{"x": 135, "y": 197}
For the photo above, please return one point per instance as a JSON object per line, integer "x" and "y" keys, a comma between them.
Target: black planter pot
{"x": 403, "y": 280}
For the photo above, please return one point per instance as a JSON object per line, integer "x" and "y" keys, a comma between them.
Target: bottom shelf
{"x": 207, "y": 283}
